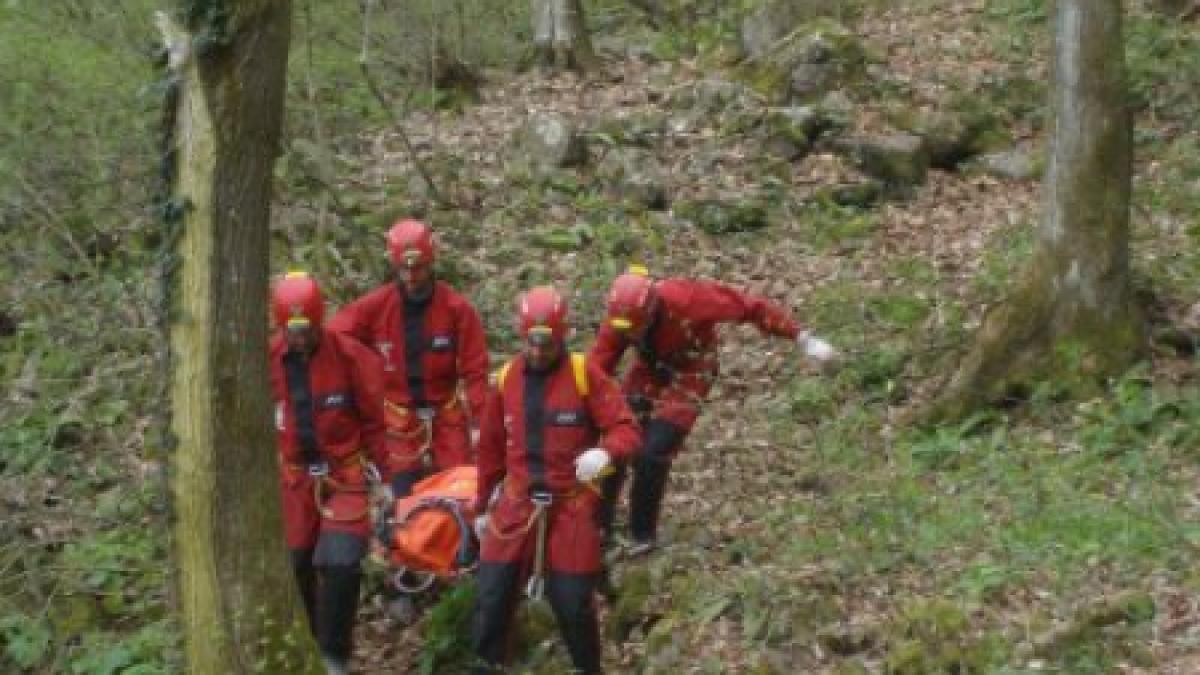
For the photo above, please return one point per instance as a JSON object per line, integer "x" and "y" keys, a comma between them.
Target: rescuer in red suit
{"x": 671, "y": 325}
{"x": 432, "y": 344}
{"x": 552, "y": 426}
{"x": 329, "y": 418}
{"x": 434, "y": 356}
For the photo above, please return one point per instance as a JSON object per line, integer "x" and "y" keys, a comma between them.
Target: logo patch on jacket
{"x": 338, "y": 399}
{"x": 441, "y": 343}
{"x": 568, "y": 418}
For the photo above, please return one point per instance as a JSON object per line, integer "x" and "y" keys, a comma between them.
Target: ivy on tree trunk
{"x": 240, "y": 610}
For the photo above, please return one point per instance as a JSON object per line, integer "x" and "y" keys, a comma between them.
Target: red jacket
{"x": 527, "y": 456}
{"x": 454, "y": 347}
{"x": 683, "y": 337}
{"x": 346, "y": 392}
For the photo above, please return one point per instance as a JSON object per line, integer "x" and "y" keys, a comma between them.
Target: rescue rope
{"x": 323, "y": 480}
{"x": 536, "y": 588}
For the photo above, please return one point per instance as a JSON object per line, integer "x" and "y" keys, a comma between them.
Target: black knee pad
{"x": 660, "y": 439}
{"x": 339, "y": 548}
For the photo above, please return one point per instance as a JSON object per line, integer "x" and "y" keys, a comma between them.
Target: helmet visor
{"x": 540, "y": 335}
{"x": 621, "y": 323}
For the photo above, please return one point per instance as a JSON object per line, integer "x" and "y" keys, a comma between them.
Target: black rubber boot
{"x": 611, "y": 496}
{"x": 645, "y": 498}
{"x": 660, "y": 442}
{"x": 495, "y": 607}
{"x": 306, "y": 581}
{"x": 570, "y": 597}
{"x": 337, "y": 609}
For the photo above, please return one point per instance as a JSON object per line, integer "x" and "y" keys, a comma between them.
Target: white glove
{"x": 816, "y": 348}
{"x": 591, "y": 464}
{"x": 481, "y": 526}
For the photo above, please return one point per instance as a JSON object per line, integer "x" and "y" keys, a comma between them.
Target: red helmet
{"x": 630, "y": 299}
{"x": 296, "y": 301}
{"x": 410, "y": 243}
{"x": 542, "y": 312}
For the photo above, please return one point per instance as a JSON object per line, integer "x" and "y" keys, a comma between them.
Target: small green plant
{"x": 946, "y": 447}
{"x": 1126, "y": 420}
{"x": 809, "y": 399}
{"x": 877, "y": 371}
{"x": 446, "y": 647}
{"x": 1023, "y": 13}
{"x": 1006, "y": 252}
{"x": 984, "y": 581}
{"x": 903, "y": 311}
{"x": 829, "y": 225}
{"x": 26, "y": 641}
{"x": 1163, "y": 64}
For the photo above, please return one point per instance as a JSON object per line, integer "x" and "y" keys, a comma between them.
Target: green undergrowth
{"x": 85, "y": 555}
{"x": 1063, "y": 502}
{"x": 1028, "y": 541}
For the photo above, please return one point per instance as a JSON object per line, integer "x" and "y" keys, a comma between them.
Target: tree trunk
{"x": 560, "y": 35}
{"x": 240, "y": 609}
{"x": 1071, "y": 320}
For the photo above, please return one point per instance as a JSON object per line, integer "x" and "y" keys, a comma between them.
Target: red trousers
{"x": 678, "y": 401}
{"x": 573, "y": 536}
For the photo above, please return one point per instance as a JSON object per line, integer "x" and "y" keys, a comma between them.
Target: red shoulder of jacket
{"x": 379, "y": 296}
{"x": 369, "y": 304}
{"x": 276, "y": 345}
{"x": 452, "y": 297}
{"x": 675, "y": 289}
{"x": 676, "y": 293}
{"x": 348, "y": 346}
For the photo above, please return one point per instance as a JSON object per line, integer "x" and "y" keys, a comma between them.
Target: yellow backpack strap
{"x": 501, "y": 373}
{"x": 579, "y": 367}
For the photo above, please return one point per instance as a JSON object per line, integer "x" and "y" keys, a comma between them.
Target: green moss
{"x": 633, "y": 594}
{"x": 1100, "y": 634}
{"x": 720, "y": 217}
{"x": 935, "y": 636}
{"x": 821, "y": 42}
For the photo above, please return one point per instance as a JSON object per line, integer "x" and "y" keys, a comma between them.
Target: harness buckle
{"x": 542, "y": 498}
{"x": 535, "y": 588}
{"x": 426, "y": 414}
{"x": 372, "y": 473}
{"x": 318, "y": 469}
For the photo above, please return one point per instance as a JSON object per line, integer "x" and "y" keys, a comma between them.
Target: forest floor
{"x": 768, "y": 465}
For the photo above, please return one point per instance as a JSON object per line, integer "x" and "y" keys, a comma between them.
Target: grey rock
{"x": 635, "y": 175}
{"x": 550, "y": 141}
{"x": 1012, "y": 164}
{"x": 817, "y": 57}
{"x": 773, "y": 20}
{"x": 899, "y": 160}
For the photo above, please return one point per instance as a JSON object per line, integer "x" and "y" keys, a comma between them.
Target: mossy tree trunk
{"x": 1071, "y": 319}
{"x": 240, "y": 610}
{"x": 560, "y": 35}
